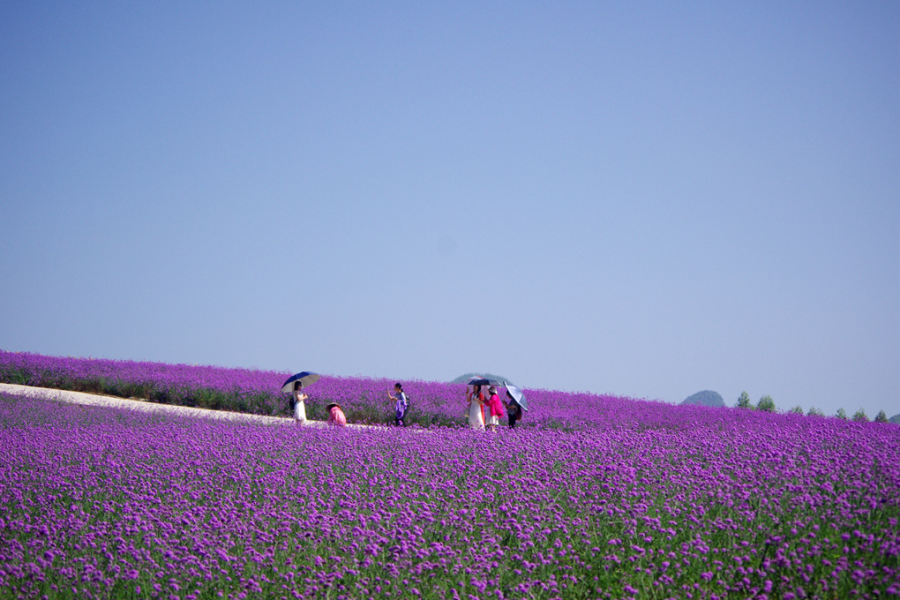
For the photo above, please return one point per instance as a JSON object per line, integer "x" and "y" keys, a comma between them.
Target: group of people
{"x": 336, "y": 415}
{"x": 481, "y": 412}
{"x": 484, "y": 413}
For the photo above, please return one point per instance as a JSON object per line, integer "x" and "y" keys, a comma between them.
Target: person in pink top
{"x": 336, "y": 415}
{"x": 496, "y": 408}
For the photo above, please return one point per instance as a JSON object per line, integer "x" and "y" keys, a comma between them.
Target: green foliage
{"x": 841, "y": 414}
{"x": 861, "y": 416}
{"x": 744, "y": 401}
{"x": 881, "y": 417}
{"x": 815, "y": 412}
{"x": 797, "y": 410}
{"x": 261, "y": 403}
{"x": 766, "y": 404}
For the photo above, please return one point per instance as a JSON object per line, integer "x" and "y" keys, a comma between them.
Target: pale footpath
{"x": 147, "y": 406}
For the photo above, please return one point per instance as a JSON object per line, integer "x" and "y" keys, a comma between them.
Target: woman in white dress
{"x": 476, "y": 408}
{"x": 299, "y": 401}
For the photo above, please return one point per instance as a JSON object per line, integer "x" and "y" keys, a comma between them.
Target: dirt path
{"x": 144, "y": 405}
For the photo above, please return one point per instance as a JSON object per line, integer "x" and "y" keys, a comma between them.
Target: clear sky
{"x": 645, "y": 199}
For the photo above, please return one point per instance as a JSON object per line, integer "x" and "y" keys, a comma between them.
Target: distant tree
{"x": 841, "y": 414}
{"x": 797, "y": 410}
{"x": 814, "y": 412}
{"x": 861, "y": 415}
{"x": 881, "y": 417}
{"x": 744, "y": 401}
{"x": 766, "y": 404}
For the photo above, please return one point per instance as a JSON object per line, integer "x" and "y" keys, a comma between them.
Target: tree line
{"x": 767, "y": 404}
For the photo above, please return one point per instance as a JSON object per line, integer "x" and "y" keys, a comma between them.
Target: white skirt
{"x": 493, "y": 421}
{"x": 300, "y": 411}
{"x": 476, "y": 419}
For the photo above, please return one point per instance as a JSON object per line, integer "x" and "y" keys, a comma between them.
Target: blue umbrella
{"x": 304, "y": 377}
{"x": 482, "y": 381}
{"x": 517, "y": 395}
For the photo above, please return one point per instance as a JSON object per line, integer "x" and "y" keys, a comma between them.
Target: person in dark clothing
{"x": 513, "y": 410}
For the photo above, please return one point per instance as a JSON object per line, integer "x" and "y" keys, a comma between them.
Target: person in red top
{"x": 496, "y": 408}
{"x": 475, "y": 412}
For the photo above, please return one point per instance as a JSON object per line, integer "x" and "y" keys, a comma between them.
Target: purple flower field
{"x": 634, "y": 500}
{"x": 363, "y": 399}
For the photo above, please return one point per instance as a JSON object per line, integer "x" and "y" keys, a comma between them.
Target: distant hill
{"x": 705, "y": 398}
{"x": 465, "y": 378}
{"x": 895, "y": 419}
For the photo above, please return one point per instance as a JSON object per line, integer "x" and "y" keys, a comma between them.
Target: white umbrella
{"x": 517, "y": 395}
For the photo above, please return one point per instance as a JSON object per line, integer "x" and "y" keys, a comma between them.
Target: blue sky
{"x": 645, "y": 199}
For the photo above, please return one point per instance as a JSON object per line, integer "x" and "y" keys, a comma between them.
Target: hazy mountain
{"x": 465, "y": 378}
{"x": 705, "y": 398}
{"x": 895, "y": 419}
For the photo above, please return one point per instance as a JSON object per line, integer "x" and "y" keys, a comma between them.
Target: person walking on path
{"x": 336, "y": 415}
{"x": 401, "y": 403}
{"x": 298, "y": 403}
{"x": 476, "y": 408}
{"x": 496, "y": 409}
